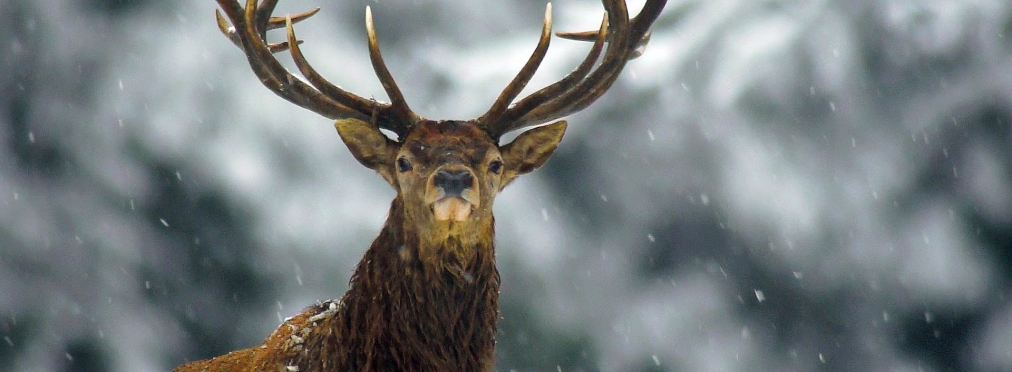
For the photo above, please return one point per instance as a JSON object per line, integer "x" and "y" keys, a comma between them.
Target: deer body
{"x": 425, "y": 295}
{"x": 399, "y": 314}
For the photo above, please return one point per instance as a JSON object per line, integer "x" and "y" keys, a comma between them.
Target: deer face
{"x": 448, "y": 173}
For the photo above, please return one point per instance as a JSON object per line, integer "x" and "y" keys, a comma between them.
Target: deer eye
{"x": 403, "y": 165}
{"x": 495, "y": 166}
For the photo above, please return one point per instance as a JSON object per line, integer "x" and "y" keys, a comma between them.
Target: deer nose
{"x": 453, "y": 183}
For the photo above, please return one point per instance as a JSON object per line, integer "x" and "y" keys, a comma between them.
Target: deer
{"x": 425, "y": 295}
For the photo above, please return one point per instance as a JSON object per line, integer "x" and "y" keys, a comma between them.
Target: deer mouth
{"x": 452, "y": 208}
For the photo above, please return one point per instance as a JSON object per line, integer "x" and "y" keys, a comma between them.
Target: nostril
{"x": 442, "y": 177}
{"x": 453, "y": 182}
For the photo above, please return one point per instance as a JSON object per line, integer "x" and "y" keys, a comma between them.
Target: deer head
{"x": 446, "y": 173}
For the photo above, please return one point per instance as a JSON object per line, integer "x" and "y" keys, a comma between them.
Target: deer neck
{"x": 422, "y": 301}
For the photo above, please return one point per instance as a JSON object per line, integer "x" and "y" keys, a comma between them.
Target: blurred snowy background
{"x": 774, "y": 186}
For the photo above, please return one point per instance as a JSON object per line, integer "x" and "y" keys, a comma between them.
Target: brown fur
{"x": 398, "y": 315}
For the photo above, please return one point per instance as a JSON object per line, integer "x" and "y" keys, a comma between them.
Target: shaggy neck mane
{"x": 415, "y": 305}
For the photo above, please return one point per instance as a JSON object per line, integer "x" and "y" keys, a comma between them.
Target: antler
{"x": 580, "y": 88}
{"x": 576, "y": 91}
{"x": 250, "y": 25}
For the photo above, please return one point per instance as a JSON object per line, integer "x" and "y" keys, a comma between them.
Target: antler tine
{"x": 384, "y": 117}
{"x": 273, "y": 23}
{"x": 523, "y": 77}
{"x": 249, "y": 26}
{"x": 269, "y": 70}
{"x": 227, "y": 29}
{"x": 266, "y": 23}
{"x": 638, "y": 36}
{"x": 525, "y": 105}
{"x": 624, "y": 37}
{"x": 279, "y": 22}
{"x": 592, "y": 35}
{"x": 398, "y": 104}
{"x": 598, "y": 81}
{"x": 263, "y": 14}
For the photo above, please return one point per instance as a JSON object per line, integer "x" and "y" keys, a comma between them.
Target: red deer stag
{"x": 425, "y": 296}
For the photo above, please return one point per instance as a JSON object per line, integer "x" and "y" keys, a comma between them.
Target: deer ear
{"x": 530, "y": 150}
{"x": 370, "y": 146}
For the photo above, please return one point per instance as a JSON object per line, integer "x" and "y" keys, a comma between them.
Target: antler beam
{"x": 248, "y": 31}
{"x": 580, "y": 88}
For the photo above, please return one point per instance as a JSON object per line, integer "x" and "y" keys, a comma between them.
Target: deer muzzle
{"x": 452, "y": 193}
